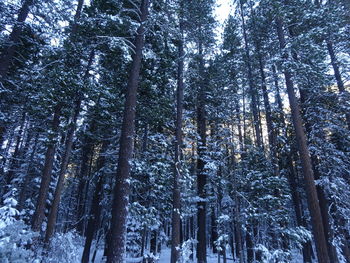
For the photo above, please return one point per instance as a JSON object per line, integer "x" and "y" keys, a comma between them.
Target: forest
{"x": 154, "y": 131}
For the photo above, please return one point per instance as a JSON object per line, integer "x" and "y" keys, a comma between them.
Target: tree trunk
{"x": 49, "y": 159}
{"x": 201, "y": 175}
{"x": 287, "y": 161}
{"x": 323, "y": 201}
{"x": 14, "y": 162}
{"x": 65, "y": 159}
{"x": 115, "y": 253}
{"x": 250, "y": 245}
{"x": 238, "y": 239}
{"x": 313, "y": 204}
{"x": 24, "y": 187}
{"x": 252, "y": 88}
{"x": 214, "y": 230}
{"x": 153, "y": 243}
{"x": 77, "y": 17}
{"x": 10, "y": 49}
{"x": 87, "y": 153}
{"x": 64, "y": 164}
{"x": 338, "y": 77}
{"x": 176, "y": 224}
{"x": 270, "y": 126}
{"x": 95, "y": 212}
{"x": 2, "y": 133}
{"x": 39, "y": 214}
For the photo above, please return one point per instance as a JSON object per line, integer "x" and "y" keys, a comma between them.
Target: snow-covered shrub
{"x": 187, "y": 250}
{"x": 14, "y": 239}
{"x": 64, "y": 247}
{"x": 15, "y": 236}
{"x": 150, "y": 258}
{"x": 222, "y": 227}
{"x": 221, "y": 242}
{"x": 275, "y": 255}
{"x": 8, "y": 212}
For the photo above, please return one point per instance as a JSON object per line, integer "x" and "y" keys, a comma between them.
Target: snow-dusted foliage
{"x": 64, "y": 248}
{"x": 8, "y": 212}
{"x": 186, "y": 250}
{"x": 15, "y": 236}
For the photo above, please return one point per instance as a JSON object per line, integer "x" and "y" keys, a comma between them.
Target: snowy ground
{"x": 164, "y": 257}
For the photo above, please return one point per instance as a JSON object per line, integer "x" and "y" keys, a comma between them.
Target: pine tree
{"x": 121, "y": 190}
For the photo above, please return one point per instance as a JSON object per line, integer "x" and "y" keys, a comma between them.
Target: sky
{"x": 222, "y": 12}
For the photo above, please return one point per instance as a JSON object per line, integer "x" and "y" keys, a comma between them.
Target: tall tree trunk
{"x": 153, "y": 243}
{"x": 65, "y": 159}
{"x": 115, "y": 253}
{"x": 176, "y": 224}
{"x": 27, "y": 176}
{"x": 249, "y": 245}
{"x": 323, "y": 201}
{"x": 287, "y": 161}
{"x": 9, "y": 51}
{"x": 252, "y": 88}
{"x": 64, "y": 164}
{"x": 2, "y": 133}
{"x": 39, "y": 214}
{"x": 77, "y": 17}
{"x": 50, "y": 154}
{"x": 313, "y": 204}
{"x": 14, "y": 162}
{"x": 237, "y": 225}
{"x": 214, "y": 230}
{"x": 95, "y": 212}
{"x": 201, "y": 174}
{"x": 87, "y": 154}
{"x": 270, "y": 126}
{"x": 238, "y": 238}
{"x": 338, "y": 77}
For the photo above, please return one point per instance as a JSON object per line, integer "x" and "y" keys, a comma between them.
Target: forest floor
{"x": 164, "y": 257}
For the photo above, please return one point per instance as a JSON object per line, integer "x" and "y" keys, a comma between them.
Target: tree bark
{"x": 64, "y": 164}
{"x": 14, "y": 162}
{"x": 44, "y": 187}
{"x": 10, "y": 50}
{"x": 176, "y": 224}
{"x": 250, "y": 245}
{"x": 28, "y": 177}
{"x": 252, "y": 88}
{"x": 77, "y": 16}
{"x": 201, "y": 174}
{"x": 214, "y": 231}
{"x": 39, "y": 214}
{"x": 323, "y": 201}
{"x": 338, "y": 77}
{"x": 115, "y": 253}
{"x": 87, "y": 153}
{"x": 313, "y": 204}
{"x": 287, "y": 161}
{"x": 65, "y": 159}
{"x": 270, "y": 125}
{"x": 153, "y": 243}
{"x": 95, "y": 212}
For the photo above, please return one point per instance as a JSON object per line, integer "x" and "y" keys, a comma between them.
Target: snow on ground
{"x": 165, "y": 257}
